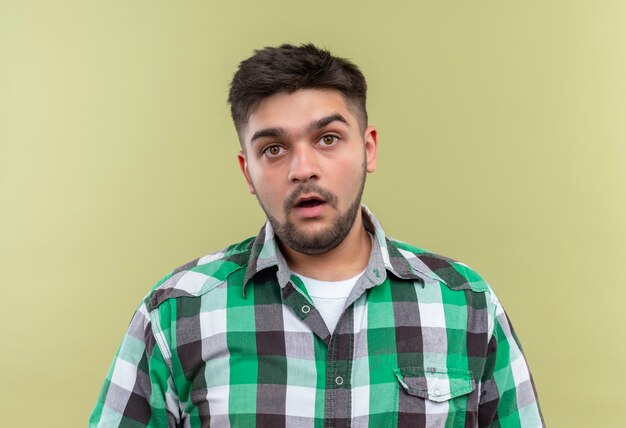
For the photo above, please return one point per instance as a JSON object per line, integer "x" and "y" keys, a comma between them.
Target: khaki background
{"x": 502, "y": 128}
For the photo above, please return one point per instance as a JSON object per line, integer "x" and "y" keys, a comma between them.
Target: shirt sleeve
{"x": 138, "y": 390}
{"x": 508, "y": 395}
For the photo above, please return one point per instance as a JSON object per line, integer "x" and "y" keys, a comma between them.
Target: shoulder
{"x": 453, "y": 273}
{"x": 201, "y": 275}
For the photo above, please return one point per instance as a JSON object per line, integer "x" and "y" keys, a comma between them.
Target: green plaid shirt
{"x": 233, "y": 339}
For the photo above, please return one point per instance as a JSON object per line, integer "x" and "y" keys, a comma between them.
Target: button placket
{"x": 338, "y": 403}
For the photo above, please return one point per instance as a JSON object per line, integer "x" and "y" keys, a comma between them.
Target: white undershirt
{"x": 329, "y": 297}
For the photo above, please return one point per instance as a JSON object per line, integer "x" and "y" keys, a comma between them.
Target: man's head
{"x": 288, "y": 68}
{"x": 305, "y": 149}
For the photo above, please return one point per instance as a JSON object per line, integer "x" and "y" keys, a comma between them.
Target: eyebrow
{"x": 268, "y": 132}
{"x": 314, "y": 126}
{"x": 325, "y": 121}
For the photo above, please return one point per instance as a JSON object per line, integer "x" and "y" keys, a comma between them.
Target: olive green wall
{"x": 502, "y": 143}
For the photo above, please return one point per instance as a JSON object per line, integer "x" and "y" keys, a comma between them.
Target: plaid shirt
{"x": 234, "y": 339}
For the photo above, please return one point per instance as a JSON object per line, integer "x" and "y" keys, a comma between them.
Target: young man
{"x": 320, "y": 320}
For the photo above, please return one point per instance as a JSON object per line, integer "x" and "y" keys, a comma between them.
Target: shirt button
{"x": 437, "y": 392}
{"x": 339, "y": 380}
{"x": 305, "y": 309}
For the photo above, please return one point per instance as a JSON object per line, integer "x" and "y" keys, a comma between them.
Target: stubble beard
{"x": 324, "y": 240}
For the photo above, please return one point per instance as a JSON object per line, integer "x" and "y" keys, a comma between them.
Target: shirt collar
{"x": 386, "y": 256}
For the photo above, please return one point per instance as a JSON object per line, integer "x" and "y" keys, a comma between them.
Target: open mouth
{"x": 309, "y": 203}
{"x": 311, "y": 206}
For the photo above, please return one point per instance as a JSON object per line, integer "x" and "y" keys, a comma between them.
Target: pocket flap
{"x": 435, "y": 384}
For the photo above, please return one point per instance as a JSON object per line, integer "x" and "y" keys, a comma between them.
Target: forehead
{"x": 294, "y": 112}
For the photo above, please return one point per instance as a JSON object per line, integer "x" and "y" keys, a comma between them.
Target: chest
{"x": 397, "y": 351}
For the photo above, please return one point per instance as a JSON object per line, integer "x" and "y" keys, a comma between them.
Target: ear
{"x": 371, "y": 147}
{"x": 243, "y": 165}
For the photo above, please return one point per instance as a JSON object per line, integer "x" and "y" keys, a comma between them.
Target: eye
{"x": 273, "y": 151}
{"x": 328, "y": 140}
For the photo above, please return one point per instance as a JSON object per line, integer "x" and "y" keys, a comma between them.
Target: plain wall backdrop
{"x": 502, "y": 130}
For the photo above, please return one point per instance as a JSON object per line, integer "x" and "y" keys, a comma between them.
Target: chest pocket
{"x": 435, "y": 384}
{"x": 435, "y": 397}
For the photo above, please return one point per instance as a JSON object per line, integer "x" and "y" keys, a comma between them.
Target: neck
{"x": 342, "y": 262}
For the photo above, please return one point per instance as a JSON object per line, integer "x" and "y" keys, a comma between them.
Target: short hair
{"x": 288, "y": 68}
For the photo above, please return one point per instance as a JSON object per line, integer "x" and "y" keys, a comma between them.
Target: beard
{"x": 324, "y": 240}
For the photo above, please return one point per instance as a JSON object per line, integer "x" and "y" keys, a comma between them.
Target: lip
{"x": 312, "y": 211}
{"x": 308, "y": 197}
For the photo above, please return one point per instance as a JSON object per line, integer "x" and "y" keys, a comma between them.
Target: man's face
{"x": 305, "y": 158}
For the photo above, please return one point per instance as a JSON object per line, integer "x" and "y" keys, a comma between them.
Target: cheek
{"x": 268, "y": 191}
{"x": 268, "y": 196}
{"x": 350, "y": 171}
{"x": 260, "y": 179}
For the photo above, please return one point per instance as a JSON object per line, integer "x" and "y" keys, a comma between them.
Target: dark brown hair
{"x": 288, "y": 68}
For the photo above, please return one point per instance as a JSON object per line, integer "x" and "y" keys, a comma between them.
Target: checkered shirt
{"x": 233, "y": 339}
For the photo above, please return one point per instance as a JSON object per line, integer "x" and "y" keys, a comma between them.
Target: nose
{"x": 304, "y": 164}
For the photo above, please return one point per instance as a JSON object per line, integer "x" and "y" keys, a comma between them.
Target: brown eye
{"x": 273, "y": 151}
{"x": 328, "y": 140}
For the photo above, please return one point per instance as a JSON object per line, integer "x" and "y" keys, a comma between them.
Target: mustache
{"x": 310, "y": 188}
